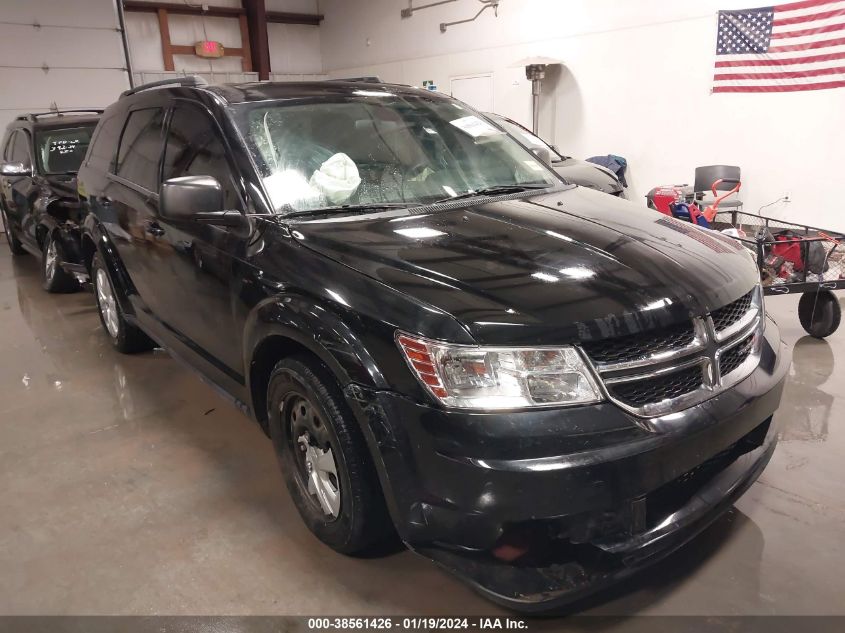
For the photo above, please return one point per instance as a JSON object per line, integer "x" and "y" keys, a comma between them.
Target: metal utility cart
{"x": 795, "y": 258}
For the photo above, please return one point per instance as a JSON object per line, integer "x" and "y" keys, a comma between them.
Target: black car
{"x": 578, "y": 172}
{"x": 38, "y": 197}
{"x": 541, "y": 387}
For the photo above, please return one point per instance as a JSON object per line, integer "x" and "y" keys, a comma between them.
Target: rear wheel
{"x": 54, "y": 278}
{"x": 324, "y": 458}
{"x": 126, "y": 337}
{"x": 14, "y": 243}
{"x": 819, "y": 313}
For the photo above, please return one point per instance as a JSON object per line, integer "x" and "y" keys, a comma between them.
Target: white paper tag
{"x": 475, "y": 127}
{"x": 533, "y": 165}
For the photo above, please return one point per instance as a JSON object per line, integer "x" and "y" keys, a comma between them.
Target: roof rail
{"x": 364, "y": 80}
{"x": 188, "y": 81}
{"x": 32, "y": 116}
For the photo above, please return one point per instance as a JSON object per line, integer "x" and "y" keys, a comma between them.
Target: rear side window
{"x": 7, "y": 150}
{"x": 104, "y": 144}
{"x": 140, "y": 148}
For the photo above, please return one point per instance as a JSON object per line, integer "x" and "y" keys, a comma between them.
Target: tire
{"x": 14, "y": 243}
{"x": 127, "y": 338}
{"x": 819, "y": 313}
{"x": 309, "y": 420}
{"x": 54, "y": 278}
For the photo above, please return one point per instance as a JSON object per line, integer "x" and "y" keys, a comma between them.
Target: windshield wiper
{"x": 495, "y": 190}
{"x": 344, "y": 208}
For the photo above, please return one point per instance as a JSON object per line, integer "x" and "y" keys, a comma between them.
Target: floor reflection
{"x": 806, "y": 405}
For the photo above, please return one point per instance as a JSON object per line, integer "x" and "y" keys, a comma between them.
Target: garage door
{"x": 476, "y": 91}
{"x": 68, "y": 54}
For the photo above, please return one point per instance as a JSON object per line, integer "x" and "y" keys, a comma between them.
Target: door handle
{"x": 154, "y": 229}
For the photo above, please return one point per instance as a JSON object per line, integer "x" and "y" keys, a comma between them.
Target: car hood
{"x": 581, "y": 172}
{"x": 545, "y": 269}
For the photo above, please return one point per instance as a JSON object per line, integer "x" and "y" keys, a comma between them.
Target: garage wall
{"x": 64, "y": 53}
{"x": 636, "y": 82}
{"x": 294, "y": 48}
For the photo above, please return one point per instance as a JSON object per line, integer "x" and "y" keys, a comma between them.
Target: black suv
{"x": 541, "y": 387}
{"x": 38, "y": 197}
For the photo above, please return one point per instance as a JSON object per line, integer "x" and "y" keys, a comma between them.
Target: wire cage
{"x": 792, "y": 257}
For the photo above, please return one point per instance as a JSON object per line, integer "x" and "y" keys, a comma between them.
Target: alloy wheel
{"x": 314, "y": 457}
{"x": 7, "y": 229}
{"x": 51, "y": 260}
{"x": 107, "y": 303}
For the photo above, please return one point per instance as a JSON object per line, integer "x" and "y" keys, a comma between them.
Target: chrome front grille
{"x": 728, "y": 316}
{"x": 734, "y": 357}
{"x": 640, "y": 347}
{"x": 673, "y": 384}
{"x": 656, "y": 373}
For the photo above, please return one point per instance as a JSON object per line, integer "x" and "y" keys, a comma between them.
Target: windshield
{"x": 60, "y": 151}
{"x": 526, "y": 137}
{"x": 380, "y": 148}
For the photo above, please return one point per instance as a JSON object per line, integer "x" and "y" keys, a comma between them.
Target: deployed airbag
{"x": 337, "y": 179}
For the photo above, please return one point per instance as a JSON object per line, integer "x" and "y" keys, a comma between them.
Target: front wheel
{"x": 819, "y": 313}
{"x": 14, "y": 243}
{"x": 54, "y": 278}
{"x": 324, "y": 458}
{"x": 126, "y": 337}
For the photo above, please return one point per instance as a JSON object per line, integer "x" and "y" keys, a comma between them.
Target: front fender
{"x": 318, "y": 329}
{"x": 327, "y": 334}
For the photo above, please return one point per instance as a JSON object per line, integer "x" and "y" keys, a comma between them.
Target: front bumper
{"x": 537, "y": 509}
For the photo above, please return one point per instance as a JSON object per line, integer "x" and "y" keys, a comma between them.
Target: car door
{"x": 194, "y": 274}
{"x": 20, "y": 192}
{"x": 131, "y": 198}
{"x": 5, "y": 186}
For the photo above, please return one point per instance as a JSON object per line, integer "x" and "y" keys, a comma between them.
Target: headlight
{"x": 471, "y": 377}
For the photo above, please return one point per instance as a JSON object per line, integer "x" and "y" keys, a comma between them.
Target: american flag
{"x": 783, "y": 48}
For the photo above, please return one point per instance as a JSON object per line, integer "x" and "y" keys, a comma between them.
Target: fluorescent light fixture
{"x": 337, "y": 297}
{"x": 373, "y": 93}
{"x": 577, "y": 272}
{"x": 419, "y": 232}
{"x": 545, "y": 277}
{"x": 559, "y": 236}
{"x": 660, "y": 303}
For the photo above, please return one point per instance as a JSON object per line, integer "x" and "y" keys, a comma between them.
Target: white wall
{"x": 65, "y": 53}
{"x": 636, "y": 82}
{"x": 294, "y": 49}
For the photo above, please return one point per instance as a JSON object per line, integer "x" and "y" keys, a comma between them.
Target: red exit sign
{"x": 209, "y": 48}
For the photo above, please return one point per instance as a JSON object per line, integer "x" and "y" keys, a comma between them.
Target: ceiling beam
{"x": 283, "y": 17}
{"x": 256, "y": 19}
{"x": 277, "y": 17}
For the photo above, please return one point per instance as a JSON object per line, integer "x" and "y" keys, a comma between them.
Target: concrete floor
{"x": 129, "y": 487}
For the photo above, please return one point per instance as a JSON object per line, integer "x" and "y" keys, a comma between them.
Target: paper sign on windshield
{"x": 475, "y": 127}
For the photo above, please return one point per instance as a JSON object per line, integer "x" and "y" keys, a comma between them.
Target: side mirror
{"x": 543, "y": 154}
{"x": 197, "y": 199}
{"x": 15, "y": 170}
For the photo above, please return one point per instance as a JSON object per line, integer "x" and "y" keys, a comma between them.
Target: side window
{"x": 194, "y": 148}
{"x": 140, "y": 148}
{"x": 20, "y": 150}
{"x": 7, "y": 149}
{"x": 103, "y": 147}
